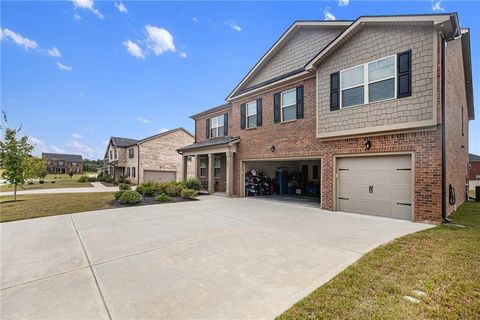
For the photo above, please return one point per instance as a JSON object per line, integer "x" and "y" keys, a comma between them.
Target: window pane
{"x": 352, "y": 77}
{"x": 213, "y": 133}
{"x": 221, "y": 131}
{"x": 251, "y": 108}
{"x": 220, "y": 120}
{"x": 252, "y": 121}
{"x": 213, "y": 122}
{"x": 381, "y": 69}
{"x": 216, "y": 173}
{"x": 289, "y": 98}
{"x": 351, "y": 97}
{"x": 381, "y": 90}
{"x": 217, "y": 163}
{"x": 289, "y": 113}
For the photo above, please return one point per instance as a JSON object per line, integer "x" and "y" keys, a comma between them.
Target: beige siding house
{"x": 151, "y": 159}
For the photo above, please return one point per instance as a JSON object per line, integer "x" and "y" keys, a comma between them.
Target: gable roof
{"x": 63, "y": 156}
{"x": 158, "y": 135}
{"x": 284, "y": 38}
{"x": 209, "y": 143}
{"x": 122, "y": 142}
{"x": 473, "y": 157}
{"x": 225, "y": 106}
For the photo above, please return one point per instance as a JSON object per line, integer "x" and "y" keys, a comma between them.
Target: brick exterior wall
{"x": 201, "y": 124}
{"x": 474, "y": 170}
{"x": 302, "y": 47}
{"x": 132, "y": 163}
{"x": 160, "y": 154}
{"x": 369, "y": 44}
{"x": 456, "y": 124}
{"x": 78, "y": 169}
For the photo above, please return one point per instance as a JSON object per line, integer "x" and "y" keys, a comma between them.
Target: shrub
{"x": 91, "y": 179}
{"x": 54, "y": 181}
{"x": 173, "y": 190}
{"x": 126, "y": 181}
{"x": 189, "y": 194}
{"x": 130, "y": 197}
{"x": 163, "y": 198}
{"x": 149, "y": 188}
{"x": 192, "y": 183}
{"x": 83, "y": 179}
{"x": 30, "y": 182}
{"x": 118, "y": 194}
{"x": 115, "y": 183}
{"x": 41, "y": 181}
{"x": 124, "y": 186}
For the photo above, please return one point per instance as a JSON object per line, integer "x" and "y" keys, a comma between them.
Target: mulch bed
{"x": 149, "y": 201}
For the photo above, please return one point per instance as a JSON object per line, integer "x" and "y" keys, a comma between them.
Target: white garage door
{"x": 159, "y": 176}
{"x": 377, "y": 185}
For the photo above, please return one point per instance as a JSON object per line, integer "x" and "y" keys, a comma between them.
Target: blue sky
{"x": 74, "y": 73}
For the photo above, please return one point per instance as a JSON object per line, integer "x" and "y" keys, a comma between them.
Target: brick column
{"x": 229, "y": 175}
{"x": 211, "y": 178}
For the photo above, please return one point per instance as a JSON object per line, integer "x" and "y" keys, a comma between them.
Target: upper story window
{"x": 203, "y": 167}
{"x": 131, "y": 153}
{"x": 115, "y": 153}
{"x": 370, "y": 82}
{"x": 251, "y": 110}
{"x": 289, "y": 105}
{"x": 60, "y": 163}
{"x": 74, "y": 164}
{"x": 111, "y": 154}
{"x": 217, "y": 126}
{"x": 217, "y": 168}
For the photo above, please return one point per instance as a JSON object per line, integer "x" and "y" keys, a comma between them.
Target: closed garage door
{"x": 377, "y": 185}
{"x": 158, "y": 176}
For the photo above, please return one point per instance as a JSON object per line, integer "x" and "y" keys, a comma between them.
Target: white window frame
{"x": 251, "y": 115}
{"x": 217, "y": 127}
{"x": 366, "y": 83}
{"x": 203, "y": 161}
{"x": 219, "y": 167}
{"x": 282, "y": 106}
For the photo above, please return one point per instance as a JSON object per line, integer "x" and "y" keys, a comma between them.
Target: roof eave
{"x": 467, "y": 67}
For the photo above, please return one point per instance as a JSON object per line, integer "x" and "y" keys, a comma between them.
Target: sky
{"x": 74, "y": 73}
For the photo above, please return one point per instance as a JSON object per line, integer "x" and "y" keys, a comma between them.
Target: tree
{"x": 70, "y": 173}
{"x": 38, "y": 168}
{"x": 14, "y": 157}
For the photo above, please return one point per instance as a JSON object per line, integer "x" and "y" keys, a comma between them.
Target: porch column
{"x": 211, "y": 178}
{"x": 195, "y": 166}
{"x": 229, "y": 175}
{"x": 184, "y": 167}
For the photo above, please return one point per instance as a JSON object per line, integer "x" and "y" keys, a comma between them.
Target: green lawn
{"x": 42, "y": 205}
{"x": 61, "y": 181}
{"x": 444, "y": 262}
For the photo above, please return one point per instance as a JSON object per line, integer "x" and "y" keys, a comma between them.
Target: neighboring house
{"x": 474, "y": 171}
{"x": 151, "y": 159}
{"x": 370, "y": 115}
{"x": 62, "y": 163}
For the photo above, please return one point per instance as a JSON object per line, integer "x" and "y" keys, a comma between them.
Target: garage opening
{"x": 375, "y": 185}
{"x": 159, "y": 176}
{"x": 293, "y": 181}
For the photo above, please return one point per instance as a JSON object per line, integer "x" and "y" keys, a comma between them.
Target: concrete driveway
{"x": 210, "y": 259}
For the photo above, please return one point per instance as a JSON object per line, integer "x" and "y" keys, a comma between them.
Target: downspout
{"x": 444, "y": 152}
{"x": 138, "y": 165}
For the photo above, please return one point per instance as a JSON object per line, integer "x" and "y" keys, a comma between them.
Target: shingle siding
{"x": 303, "y": 46}
{"x": 372, "y": 43}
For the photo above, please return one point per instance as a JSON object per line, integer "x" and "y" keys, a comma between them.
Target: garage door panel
{"x": 376, "y": 185}
{"x": 158, "y": 176}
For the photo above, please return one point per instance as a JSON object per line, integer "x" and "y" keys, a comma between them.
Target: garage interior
{"x": 295, "y": 181}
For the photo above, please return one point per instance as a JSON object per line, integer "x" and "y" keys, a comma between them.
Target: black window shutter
{"x": 225, "y": 124}
{"x": 335, "y": 91}
{"x": 207, "y": 129}
{"x": 276, "y": 107}
{"x": 300, "y": 102}
{"x": 404, "y": 74}
{"x": 242, "y": 116}
{"x": 259, "y": 113}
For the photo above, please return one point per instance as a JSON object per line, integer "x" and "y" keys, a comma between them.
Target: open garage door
{"x": 159, "y": 176}
{"x": 376, "y": 185}
{"x": 293, "y": 180}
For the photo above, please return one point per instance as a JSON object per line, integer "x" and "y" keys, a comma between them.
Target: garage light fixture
{"x": 272, "y": 149}
{"x": 368, "y": 144}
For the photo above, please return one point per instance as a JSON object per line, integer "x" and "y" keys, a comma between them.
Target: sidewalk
{"x": 97, "y": 187}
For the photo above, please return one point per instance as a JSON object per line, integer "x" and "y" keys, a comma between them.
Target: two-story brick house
{"x": 373, "y": 111}
{"x": 150, "y": 159}
{"x": 63, "y": 163}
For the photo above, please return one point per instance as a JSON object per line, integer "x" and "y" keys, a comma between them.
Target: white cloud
{"x": 342, "y": 3}
{"x": 327, "y": 15}
{"x": 183, "y": 54}
{"x": 195, "y": 19}
{"x": 84, "y": 149}
{"x": 18, "y": 39}
{"x": 162, "y": 130}
{"x": 121, "y": 7}
{"x": 54, "y": 52}
{"x": 105, "y": 142}
{"x": 63, "y": 67}
{"x": 76, "y": 136}
{"x": 77, "y": 17}
{"x": 89, "y": 129}
{"x": 56, "y": 149}
{"x": 134, "y": 49}
{"x": 159, "y": 39}
{"x": 232, "y": 24}
{"x": 436, "y": 6}
{"x": 143, "y": 120}
{"x": 88, "y": 5}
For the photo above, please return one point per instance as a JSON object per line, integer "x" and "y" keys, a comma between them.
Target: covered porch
{"x": 214, "y": 161}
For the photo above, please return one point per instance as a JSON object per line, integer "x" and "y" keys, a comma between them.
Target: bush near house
{"x": 174, "y": 190}
{"x": 192, "y": 183}
{"x": 163, "y": 198}
{"x": 189, "y": 194}
{"x": 124, "y": 186}
{"x": 130, "y": 197}
{"x": 118, "y": 194}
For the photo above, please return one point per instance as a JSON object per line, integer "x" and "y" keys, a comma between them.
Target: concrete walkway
{"x": 214, "y": 258}
{"x": 97, "y": 187}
